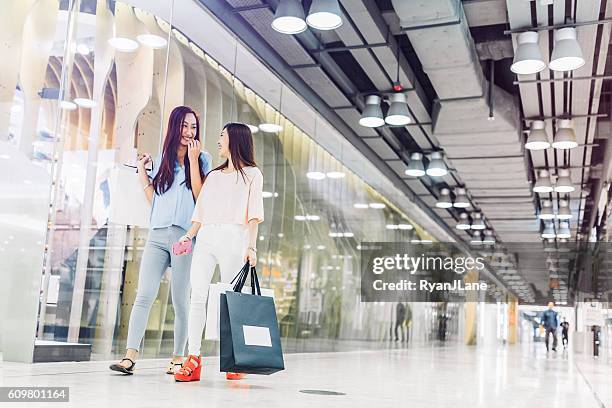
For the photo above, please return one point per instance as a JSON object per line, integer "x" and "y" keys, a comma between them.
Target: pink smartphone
{"x": 182, "y": 248}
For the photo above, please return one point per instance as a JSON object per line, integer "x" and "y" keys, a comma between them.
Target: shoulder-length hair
{"x": 240, "y": 147}
{"x": 164, "y": 178}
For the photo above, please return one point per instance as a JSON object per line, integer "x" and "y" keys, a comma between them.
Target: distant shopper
{"x": 172, "y": 188}
{"x": 226, "y": 220}
{"x": 565, "y": 333}
{"x": 400, "y": 317}
{"x": 550, "y": 321}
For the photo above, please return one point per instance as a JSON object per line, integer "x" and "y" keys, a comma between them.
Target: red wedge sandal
{"x": 192, "y": 367}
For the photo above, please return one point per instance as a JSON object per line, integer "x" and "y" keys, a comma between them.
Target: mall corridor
{"x": 411, "y": 196}
{"x": 442, "y": 377}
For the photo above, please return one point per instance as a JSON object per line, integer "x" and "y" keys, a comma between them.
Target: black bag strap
{"x": 241, "y": 278}
{"x": 255, "y": 282}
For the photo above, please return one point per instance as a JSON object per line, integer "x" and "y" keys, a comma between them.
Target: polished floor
{"x": 508, "y": 377}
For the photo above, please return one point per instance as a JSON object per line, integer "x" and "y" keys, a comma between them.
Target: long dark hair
{"x": 240, "y": 147}
{"x": 165, "y": 176}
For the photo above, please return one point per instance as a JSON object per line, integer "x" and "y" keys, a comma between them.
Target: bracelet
{"x": 147, "y": 186}
{"x": 253, "y": 249}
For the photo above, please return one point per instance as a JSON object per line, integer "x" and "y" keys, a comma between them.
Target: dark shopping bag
{"x": 250, "y": 340}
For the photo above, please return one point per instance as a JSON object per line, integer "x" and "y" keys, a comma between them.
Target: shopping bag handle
{"x": 242, "y": 276}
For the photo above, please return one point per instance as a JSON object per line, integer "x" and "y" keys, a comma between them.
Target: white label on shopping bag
{"x": 257, "y": 336}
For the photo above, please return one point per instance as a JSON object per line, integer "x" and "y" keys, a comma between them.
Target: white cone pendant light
{"x": 476, "y": 238}
{"x": 415, "y": 166}
{"x": 289, "y": 17}
{"x": 564, "y": 231}
{"x": 372, "y": 113}
{"x": 478, "y": 223}
{"x": 436, "y": 167}
{"x": 489, "y": 238}
{"x": 546, "y": 213}
{"x": 464, "y": 222}
{"x": 461, "y": 198}
{"x": 564, "y": 211}
{"x": 537, "y": 139}
{"x": 566, "y": 55}
{"x": 398, "y": 114}
{"x": 565, "y": 138}
{"x": 444, "y": 201}
{"x": 564, "y": 182}
{"x": 549, "y": 231}
{"x": 324, "y": 15}
{"x": 543, "y": 185}
{"x": 527, "y": 59}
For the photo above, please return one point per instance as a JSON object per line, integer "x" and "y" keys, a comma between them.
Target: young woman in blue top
{"x": 172, "y": 187}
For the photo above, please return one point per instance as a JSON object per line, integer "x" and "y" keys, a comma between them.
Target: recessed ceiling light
{"x": 405, "y": 226}
{"x": 254, "y": 129}
{"x": 313, "y": 217}
{"x": 315, "y": 175}
{"x": 267, "y": 194}
{"x": 335, "y": 174}
{"x": 123, "y": 44}
{"x": 152, "y": 40}
{"x": 67, "y": 105}
{"x": 85, "y": 103}
{"x": 377, "y": 206}
{"x": 300, "y": 218}
{"x": 320, "y": 247}
{"x": 83, "y": 49}
{"x": 392, "y": 226}
{"x": 270, "y": 127}
{"x": 360, "y": 205}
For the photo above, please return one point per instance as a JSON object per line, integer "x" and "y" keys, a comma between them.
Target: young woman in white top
{"x": 225, "y": 219}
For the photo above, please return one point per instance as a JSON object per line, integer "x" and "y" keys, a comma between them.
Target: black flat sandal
{"x": 122, "y": 369}
{"x": 173, "y": 368}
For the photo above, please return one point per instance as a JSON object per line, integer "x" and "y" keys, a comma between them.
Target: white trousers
{"x": 217, "y": 244}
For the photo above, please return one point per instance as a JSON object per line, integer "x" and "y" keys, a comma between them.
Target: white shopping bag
{"x": 212, "y": 309}
{"x": 128, "y": 202}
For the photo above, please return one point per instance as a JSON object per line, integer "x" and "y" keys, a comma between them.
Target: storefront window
{"x": 109, "y": 82}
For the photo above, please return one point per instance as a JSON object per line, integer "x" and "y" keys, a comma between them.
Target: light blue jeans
{"x": 156, "y": 258}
